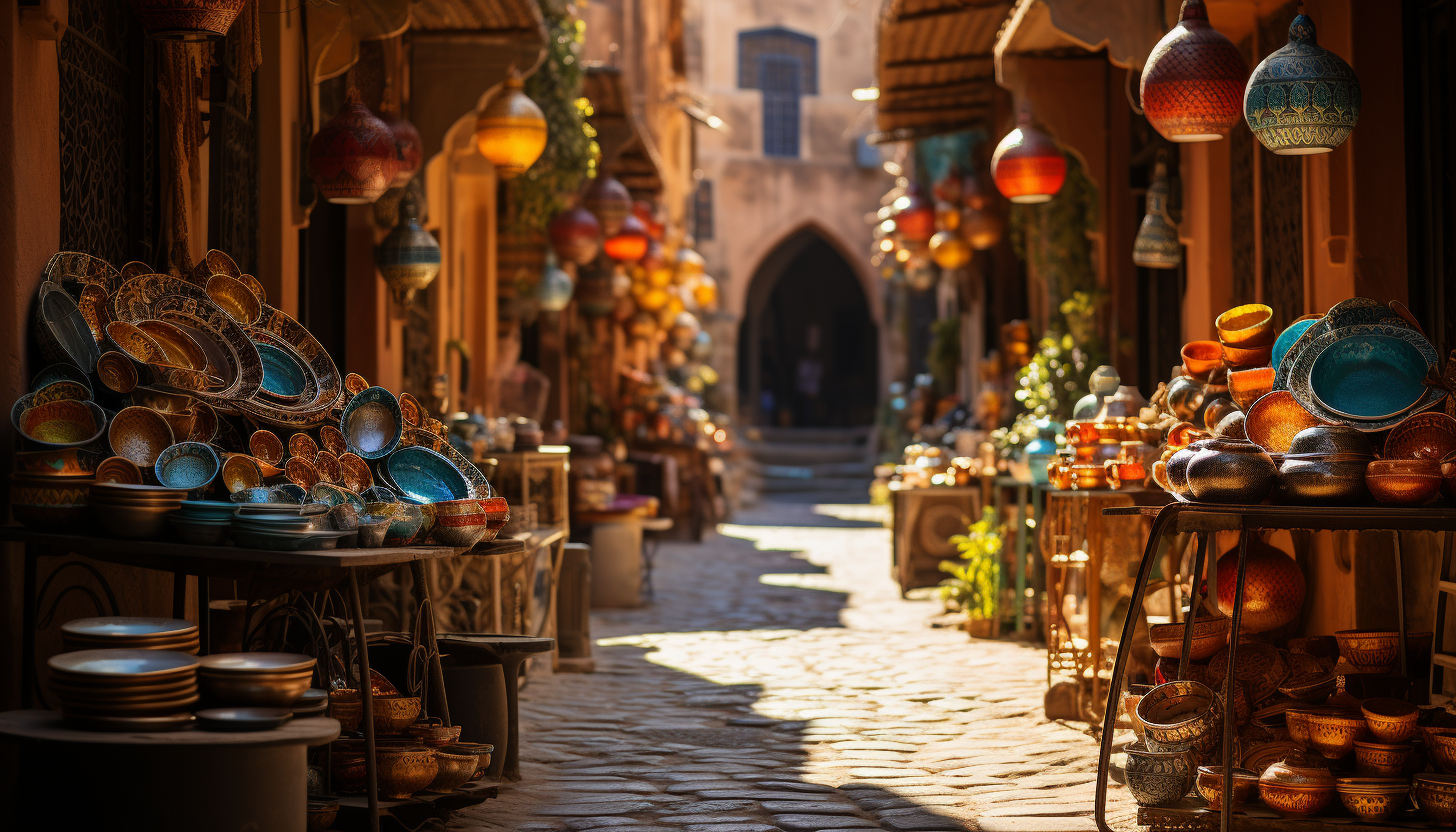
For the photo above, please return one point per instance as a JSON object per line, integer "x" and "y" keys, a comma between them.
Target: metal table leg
{"x": 1193, "y": 604}
{"x": 366, "y": 693}
{"x": 1226, "y": 811}
{"x": 27, "y": 628}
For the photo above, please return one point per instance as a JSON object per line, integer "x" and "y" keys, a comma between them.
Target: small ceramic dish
{"x": 118, "y": 469}
{"x": 117, "y": 371}
{"x": 1369, "y": 649}
{"x": 62, "y": 424}
{"x": 187, "y": 465}
{"x": 1248, "y": 325}
{"x": 1429, "y": 435}
{"x": 1201, "y": 358}
{"x": 1248, "y": 386}
{"x": 140, "y": 434}
{"x": 1390, "y": 720}
{"x": 265, "y": 445}
{"x": 240, "y": 472}
{"x": 1403, "y": 481}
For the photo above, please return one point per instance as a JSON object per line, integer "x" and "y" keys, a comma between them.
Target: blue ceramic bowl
{"x": 1286, "y": 340}
{"x": 379, "y": 494}
{"x": 283, "y": 378}
{"x": 333, "y": 495}
{"x": 188, "y": 465}
{"x": 1369, "y": 377}
{"x": 405, "y": 522}
{"x": 372, "y": 423}
{"x": 290, "y": 492}
{"x": 426, "y": 475}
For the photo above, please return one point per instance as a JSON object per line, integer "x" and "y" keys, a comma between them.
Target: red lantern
{"x": 1273, "y": 587}
{"x": 407, "y": 141}
{"x": 630, "y": 242}
{"x": 1193, "y": 82}
{"x": 353, "y": 157}
{"x": 647, "y": 212}
{"x": 949, "y": 188}
{"x": 576, "y": 236}
{"x": 915, "y": 216}
{"x": 609, "y": 200}
{"x": 1028, "y": 166}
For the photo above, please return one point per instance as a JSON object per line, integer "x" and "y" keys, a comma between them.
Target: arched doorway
{"x": 808, "y": 348}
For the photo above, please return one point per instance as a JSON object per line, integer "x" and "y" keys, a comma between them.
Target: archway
{"x": 808, "y": 347}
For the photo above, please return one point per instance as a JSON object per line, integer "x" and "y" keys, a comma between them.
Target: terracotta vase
{"x": 576, "y": 235}
{"x": 1193, "y": 81}
{"x": 1273, "y": 587}
{"x": 353, "y": 158}
{"x": 1231, "y": 471}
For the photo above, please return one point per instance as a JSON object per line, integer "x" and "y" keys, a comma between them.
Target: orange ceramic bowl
{"x": 1247, "y": 386}
{"x": 1201, "y": 358}
{"x": 1274, "y": 419}
{"x": 1249, "y": 325}
{"x": 1406, "y": 482}
{"x": 1430, "y": 435}
{"x": 1248, "y": 356}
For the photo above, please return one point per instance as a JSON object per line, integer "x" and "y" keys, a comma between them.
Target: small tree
{"x": 975, "y": 578}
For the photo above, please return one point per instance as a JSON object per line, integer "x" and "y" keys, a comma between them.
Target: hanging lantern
{"x": 609, "y": 200}
{"x": 630, "y": 243}
{"x": 653, "y": 300}
{"x": 1157, "y": 246}
{"x": 702, "y": 346}
{"x": 576, "y": 236}
{"x": 1027, "y": 166}
{"x": 553, "y": 292}
{"x": 647, "y": 212}
{"x": 511, "y": 130}
{"x": 982, "y": 228}
{"x": 667, "y": 315}
{"x": 353, "y": 158}
{"x": 689, "y": 262}
{"x": 947, "y": 216}
{"x": 705, "y": 292}
{"x": 914, "y": 215}
{"x": 949, "y": 188}
{"x": 950, "y": 250}
{"x": 407, "y": 141}
{"x": 187, "y": 20}
{"x": 1193, "y": 80}
{"x": 1303, "y": 98}
{"x": 408, "y": 258}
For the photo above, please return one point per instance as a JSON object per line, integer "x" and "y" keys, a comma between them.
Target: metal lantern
{"x": 353, "y": 158}
{"x": 1303, "y": 98}
{"x": 1156, "y": 245}
{"x": 609, "y": 201}
{"x": 689, "y": 262}
{"x": 630, "y": 243}
{"x": 408, "y": 258}
{"x": 1193, "y": 80}
{"x": 1027, "y": 166}
{"x": 914, "y": 215}
{"x": 553, "y": 292}
{"x": 950, "y": 250}
{"x": 511, "y": 130}
{"x": 576, "y": 236}
{"x": 410, "y": 146}
{"x": 187, "y": 20}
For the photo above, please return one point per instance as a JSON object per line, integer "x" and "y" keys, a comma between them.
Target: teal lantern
{"x": 553, "y": 291}
{"x": 1303, "y": 98}
{"x": 408, "y": 258}
{"x": 1156, "y": 245}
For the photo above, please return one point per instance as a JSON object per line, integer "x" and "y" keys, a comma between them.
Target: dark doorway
{"x": 808, "y": 350}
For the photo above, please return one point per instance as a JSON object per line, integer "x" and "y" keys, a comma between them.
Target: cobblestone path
{"x": 779, "y": 682}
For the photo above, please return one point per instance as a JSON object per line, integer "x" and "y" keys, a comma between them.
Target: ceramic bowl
{"x": 379, "y": 494}
{"x": 372, "y": 423}
{"x": 1369, "y": 649}
{"x": 328, "y": 467}
{"x": 1320, "y": 481}
{"x": 1275, "y": 419}
{"x": 265, "y": 445}
{"x": 1182, "y": 715}
{"x": 1390, "y": 720}
{"x": 284, "y": 378}
{"x": 57, "y": 462}
{"x": 62, "y": 424}
{"x": 254, "y": 286}
{"x": 429, "y": 477}
{"x": 321, "y": 814}
{"x": 177, "y": 346}
{"x": 1435, "y": 796}
{"x": 140, "y": 434}
{"x": 49, "y": 503}
{"x": 1429, "y": 435}
{"x": 348, "y": 714}
{"x": 134, "y": 343}
{"x": 1287, "y": 338}
{"x": 1379, "y": 759}
{"x": 460, "y": 524}
{"x": 240, "y": 472}
{"x": 1369, "y": 377}
{"x": 1248, "y": 386}
{"x": 235, "y": 299}
{"x": 1333, "y": 734}
{"x": 261, "y": 690}
{"x": 372, "y": 530}
{"x": 1373, "y": 798}
{"x": 1242, "y": 357}
{"x": 1441, "y": 746}
{"x": 1201, "y": 358}
{"x": 1159, "y": 778}
{"x": 331, "y": 495}
{"x": 118, "y": 469}
{"x": 405, "y": 521}
{"x": 117, "y": 371}
{"x": 393, "y": 714}
{"x": 331, "y": 439}
{"x": 187, "y": 465}
{"x": 1311, "y": 688}
{"x": 1209, "y": 636}
{"x": 1210, "y": 786}
{"x": 497, "y": 515}
{"x": 455, "y": 770}
{"x": 62, "y": 390}
{"x": 1403, "y": 481}
{"x": 402, "y": 772}
{"x": 480, "y": 750}
{"x": 1249, "y": 324}
{"x": 1296, "y": 788}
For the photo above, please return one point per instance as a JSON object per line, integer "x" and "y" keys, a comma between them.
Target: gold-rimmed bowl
{"x": 404, "y": 771}
{"x": 455, "y": 770}
{"x": 1333, "y": 733}
{"x": 1379, "y": 759}
{"x": 1181, "y": 715}
{"x": 1209, "y": 636}
{"x": 1210, "y": 786}
{"x": 393, "y": 714}
{"x": 1369, "y": 649}
{"x": 235, "y": 298}
{"x": 1373, "y": 798}
{"x": 1390, "y": 720}
{"x": 1435, "y": 797}
{"x": 1248, "y": 325}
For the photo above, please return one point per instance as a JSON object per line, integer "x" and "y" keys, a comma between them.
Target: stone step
{"x": 777, "y": 485}
{"x": 797, "y": 453}
{"x": 841, "y": 436}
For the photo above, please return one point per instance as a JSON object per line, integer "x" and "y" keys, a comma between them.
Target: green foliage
{"x": 975, "y": 578}
{"x": 944, "y": 356}
{"x": 570, "y": 157}
{"x": 1052, "y": 237}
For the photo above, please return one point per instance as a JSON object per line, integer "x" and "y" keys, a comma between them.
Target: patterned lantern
{"x": 1303, "y": 98}
{"x": 630, "y": 243}
{"x": 554, "y": 290}
{"x": 950, "y": 250}
{"x": 187, "y": 20}
{"x": 1273, "y": 587}
{"x": 609, "y": 200}
{"x": 914, "y": 215}
{"x": 353, "y": 157}
{"x": 1192, "y": 81}
{"x": 1027, "y": 166}
{"x": 1156, "y": 245}
{"x": 409, "y": 258}
{"x": 407, "y": 141}
{"x": 576, "y": 236}
{"x": 511, "y": 130}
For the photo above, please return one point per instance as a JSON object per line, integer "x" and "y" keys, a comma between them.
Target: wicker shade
{"x": 1193, "y": 80}
{"x": 1028, "y": 166}
{"x": 1156, "y": 245}
{"x": 1303, "y": 98}
{"x": 511, "y": 130}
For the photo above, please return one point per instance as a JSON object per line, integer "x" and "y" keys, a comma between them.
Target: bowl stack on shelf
{"x": 127, "y": 633}
{"x": 125, "y": 690}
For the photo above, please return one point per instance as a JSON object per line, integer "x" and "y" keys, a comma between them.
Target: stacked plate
{"x": 268, "y": 680}
{"x": 203, "y": 522}
{"x": 121, "y": 632}
{"x": 125, "y": 690}
{"x": 134, "y": 511}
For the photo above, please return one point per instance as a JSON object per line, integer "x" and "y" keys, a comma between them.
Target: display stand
{"x": 923, "y": 521}
{"x": 1203, "y": 519}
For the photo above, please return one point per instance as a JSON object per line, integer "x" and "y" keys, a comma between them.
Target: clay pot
{"x": 1273, "y": 587}
{"x": 1231, "y": 471}
{"x": 1296, "y": 787}
{"x": 1177, "y": 469}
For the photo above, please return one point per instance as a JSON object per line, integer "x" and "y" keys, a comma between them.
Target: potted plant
{"x": 975, "y": 577}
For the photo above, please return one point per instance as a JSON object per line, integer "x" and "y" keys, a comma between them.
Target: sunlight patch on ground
{"x": 859, "y": 512}
{"x": 803, "y": 580}
{"x": 758, "y": 534}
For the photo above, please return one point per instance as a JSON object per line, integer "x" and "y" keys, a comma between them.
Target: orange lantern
{"x": 1193, "y": 82}
{"x": 511, "y": 130}
{"x": 915, "y": 216}
{"x": 1027, "y": 166}
{"x": 950, "y": 250}
{"x": 630, "y": 243}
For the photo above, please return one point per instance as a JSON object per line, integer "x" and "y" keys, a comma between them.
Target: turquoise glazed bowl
{"x": 189, "y": 465}
{"x": 405, "y": 522}
{"x": 283, "y": 378}
{"x": 426, "y": 475}
{"x": 372, "y": 423}
{"x": 1286, "y": 340}
{"x": 1370, "y": 378}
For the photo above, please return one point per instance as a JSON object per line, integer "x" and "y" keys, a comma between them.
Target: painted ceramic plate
{"x": 117, "y": 626}
{"x": 281, "y": 330}
{"x": 255, "y": 662}
{"x": 187, "y": 465}
{"x": 1369, "y": 377}
{"x": 1304, "y": 361}
{"x": 372, "y": 423}
{"x": 123, "y": 663}
{"x": 427, "y": 475}
{"x": 283, "y": 378}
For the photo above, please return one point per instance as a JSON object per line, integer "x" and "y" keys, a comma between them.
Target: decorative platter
{"x": 1304, "y": 361}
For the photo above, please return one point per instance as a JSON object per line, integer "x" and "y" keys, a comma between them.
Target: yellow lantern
{"x": 950, "y": 250}
{"x": 689, "y": 262}
{"x": 706, "y": 292}
{"x": 659, "y": 277}
{"x": 947, "y": 216}
{"x": 667, "y": 315}
{"x": 653, "y": 300}
{"x": 511, "y": 130}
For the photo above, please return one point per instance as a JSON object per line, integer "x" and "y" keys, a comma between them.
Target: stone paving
{"x": 780, "y": 682}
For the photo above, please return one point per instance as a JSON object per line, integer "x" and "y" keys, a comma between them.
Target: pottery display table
{"x": 1203, "y": 519}
{"x": 177, "y": 781}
